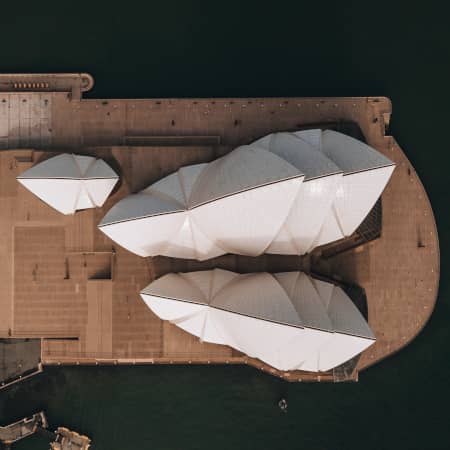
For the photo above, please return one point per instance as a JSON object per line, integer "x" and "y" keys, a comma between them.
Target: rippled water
{"x": 254, "y": 49}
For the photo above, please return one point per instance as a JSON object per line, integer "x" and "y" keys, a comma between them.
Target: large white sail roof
{"x": 288, "y": 320}
{"x": 285, "y": 193}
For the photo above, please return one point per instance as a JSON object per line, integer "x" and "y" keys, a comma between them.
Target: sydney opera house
{"x": 272, "y": 240}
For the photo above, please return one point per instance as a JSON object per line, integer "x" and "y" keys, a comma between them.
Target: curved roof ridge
{"x": 245, "y": 170}
{"x": 299, "y": 153}
{"x": 255, "y": 314}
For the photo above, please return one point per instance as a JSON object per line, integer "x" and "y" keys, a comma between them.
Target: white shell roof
{"x": 285, "y": 193}
{"x": 288, "y": 320}
{"x": 70, "y": 182}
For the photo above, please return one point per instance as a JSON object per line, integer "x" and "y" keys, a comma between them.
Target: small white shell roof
{"x": 288, "y": 320}
{"x": 70, "y": 182}
{"x": 285, "y": 193}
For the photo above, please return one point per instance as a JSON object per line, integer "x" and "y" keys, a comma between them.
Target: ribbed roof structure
{"x": 70, "y": 182}
{"x": 285, "y": 193}
{"x": 288, "y": 320}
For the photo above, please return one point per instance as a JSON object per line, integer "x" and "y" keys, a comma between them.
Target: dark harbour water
{"x": 188, "y": 48}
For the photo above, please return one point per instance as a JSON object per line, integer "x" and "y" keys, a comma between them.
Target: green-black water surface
{"x": 192, "y": 48}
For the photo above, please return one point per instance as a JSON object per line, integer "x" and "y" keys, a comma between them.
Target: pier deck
{"x": 54, "y": 265}
{"x": 17, "y": 431}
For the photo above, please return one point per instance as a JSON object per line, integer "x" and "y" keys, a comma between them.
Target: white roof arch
{"x": 285, "y": 193}
{"x": 70, "y": 182}
{"x": 288, "y": 320}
